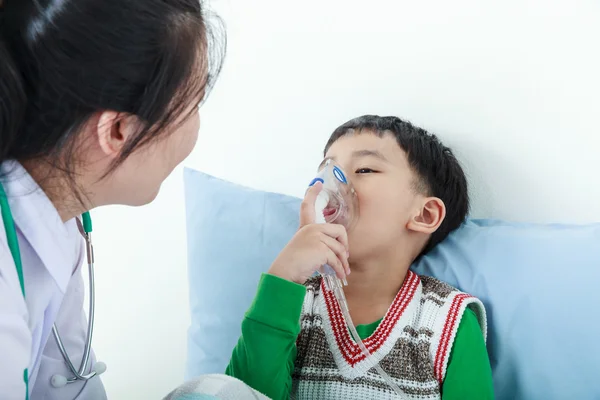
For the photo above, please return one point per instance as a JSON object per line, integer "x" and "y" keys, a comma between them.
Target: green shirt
{"x": 265, "y": 354}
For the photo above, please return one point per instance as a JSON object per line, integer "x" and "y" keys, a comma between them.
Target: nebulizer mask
{"x": 337, "y": 203}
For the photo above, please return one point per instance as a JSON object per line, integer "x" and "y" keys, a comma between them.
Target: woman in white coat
{"x": 98, "y": 104}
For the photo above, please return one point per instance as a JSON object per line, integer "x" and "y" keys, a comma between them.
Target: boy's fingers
{"x": 339, "y": 250}
{"x": 336, "y": 231}
{"x": 307, "y": 208}
{"x": 334, "y": 262}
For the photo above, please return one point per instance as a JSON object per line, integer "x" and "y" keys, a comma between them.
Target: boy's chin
{"x": 360, "y": 255}
{"x": 365, "y": 252}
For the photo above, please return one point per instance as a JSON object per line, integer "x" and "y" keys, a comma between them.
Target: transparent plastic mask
{"x": 337, "y": 202}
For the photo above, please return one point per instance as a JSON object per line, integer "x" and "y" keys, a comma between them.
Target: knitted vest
{"x": 412, "y": 343}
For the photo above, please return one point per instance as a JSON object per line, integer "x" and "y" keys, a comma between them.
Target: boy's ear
{"x": 429, "y": 216}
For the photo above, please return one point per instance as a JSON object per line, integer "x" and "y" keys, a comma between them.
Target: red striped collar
{"x": 347, "y": 346}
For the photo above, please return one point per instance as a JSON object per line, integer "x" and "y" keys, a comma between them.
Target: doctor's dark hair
{"x": 62, "y": 61}
{"x": 439, "y": 173}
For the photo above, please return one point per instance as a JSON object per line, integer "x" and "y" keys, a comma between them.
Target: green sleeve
{"x": 265, "y": 354}
{"x": 469, "y": 375}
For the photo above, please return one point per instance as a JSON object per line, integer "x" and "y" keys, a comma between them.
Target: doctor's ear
{"x": 115, "y": 130}
{"x": 429, "y": 217}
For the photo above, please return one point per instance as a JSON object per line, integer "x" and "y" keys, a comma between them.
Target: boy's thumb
{"x": 307, "y": 208}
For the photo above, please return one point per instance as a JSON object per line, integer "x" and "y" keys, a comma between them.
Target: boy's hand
{"x": 312, "y": 246}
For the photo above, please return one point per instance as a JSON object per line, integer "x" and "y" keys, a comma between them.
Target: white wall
{"x": 512, "y": 86}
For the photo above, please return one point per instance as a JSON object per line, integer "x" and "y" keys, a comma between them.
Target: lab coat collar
{"x": 38, "y": 220}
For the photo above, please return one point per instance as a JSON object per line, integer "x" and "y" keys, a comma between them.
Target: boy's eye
{"x": 364, "y": 171}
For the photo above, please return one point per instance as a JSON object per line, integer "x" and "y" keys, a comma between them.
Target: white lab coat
{"x": 52, "y": 254}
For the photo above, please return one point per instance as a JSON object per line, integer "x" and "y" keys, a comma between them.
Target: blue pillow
{"x": 538, "y": 283}
{"x": 539, "y": 286}
{"x": 233, "y": 235}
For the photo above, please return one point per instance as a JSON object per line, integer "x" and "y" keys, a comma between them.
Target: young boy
{"x": 428, "y": 336}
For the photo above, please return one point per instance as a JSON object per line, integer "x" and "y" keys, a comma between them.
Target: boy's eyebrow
{"x": 359, "y": 154}
{"x": 368, "y": 153}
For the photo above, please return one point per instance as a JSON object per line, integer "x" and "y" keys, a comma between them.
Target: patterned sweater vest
{"x": 412, "y": 343}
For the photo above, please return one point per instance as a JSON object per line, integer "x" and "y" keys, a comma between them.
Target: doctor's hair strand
{"x": 62, "y": 61}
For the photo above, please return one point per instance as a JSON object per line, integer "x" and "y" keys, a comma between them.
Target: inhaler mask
{"x": 337, "y": 203}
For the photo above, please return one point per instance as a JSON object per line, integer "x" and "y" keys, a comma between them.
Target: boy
{"x": 427, "y": 336}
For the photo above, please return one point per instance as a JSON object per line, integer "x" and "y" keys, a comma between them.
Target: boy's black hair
{"x": 439, "y": 172}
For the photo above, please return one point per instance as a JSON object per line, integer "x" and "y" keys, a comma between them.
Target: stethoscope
{"x": 85, "y": 228}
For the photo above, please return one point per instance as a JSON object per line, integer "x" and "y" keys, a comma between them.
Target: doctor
{"x": 98, "y": 104}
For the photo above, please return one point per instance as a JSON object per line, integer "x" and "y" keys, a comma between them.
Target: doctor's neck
{"x": 70, "y": 197}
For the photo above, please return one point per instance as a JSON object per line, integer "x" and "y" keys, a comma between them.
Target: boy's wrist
{"x": 279, "y": 272}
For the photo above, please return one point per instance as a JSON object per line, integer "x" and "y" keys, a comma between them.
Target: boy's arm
{"x": 265, "y": 354}
{"x": 469, "y": 375}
